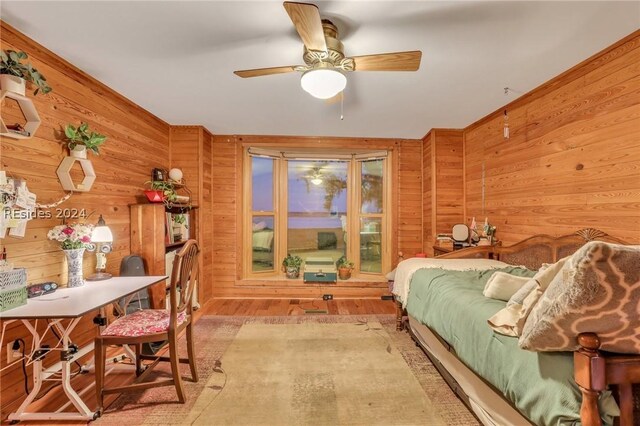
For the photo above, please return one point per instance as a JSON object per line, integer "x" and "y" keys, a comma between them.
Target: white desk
{"x": 68, "y": 304}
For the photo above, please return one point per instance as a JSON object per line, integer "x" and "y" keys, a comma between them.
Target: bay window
{"x": 314, "y": 204}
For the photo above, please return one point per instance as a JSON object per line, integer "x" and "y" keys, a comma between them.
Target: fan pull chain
{"x": 342, "y": 105}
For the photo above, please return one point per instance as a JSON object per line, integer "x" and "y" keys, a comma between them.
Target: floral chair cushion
{"x": 141, "y": 323}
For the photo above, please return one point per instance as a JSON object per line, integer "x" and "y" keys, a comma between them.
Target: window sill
{"x": 279, "y": 281}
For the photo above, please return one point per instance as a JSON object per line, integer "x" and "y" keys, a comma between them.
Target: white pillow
{"x": 502, "y": 286}
{"x": 510, "y": 320}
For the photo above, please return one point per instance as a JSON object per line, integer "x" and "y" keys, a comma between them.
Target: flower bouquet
{"x": 73, "y": 240}
{"x": 71, "y": 237}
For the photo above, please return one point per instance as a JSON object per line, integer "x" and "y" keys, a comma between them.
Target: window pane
{"x": 317, "y": 208}
{"x": 372, "y": 186}
{"x": 262, "y": 184}
{"x": 262, "y": 243}
{"x": 371, "y": 245}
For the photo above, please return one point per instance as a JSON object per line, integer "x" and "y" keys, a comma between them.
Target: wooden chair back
{"x": 183, "y": 280}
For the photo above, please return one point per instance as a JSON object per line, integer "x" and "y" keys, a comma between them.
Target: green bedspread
{"x": 539, "y": 384}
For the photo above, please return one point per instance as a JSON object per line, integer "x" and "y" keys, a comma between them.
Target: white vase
{"x": 79, "y": 151}
{"x": 74, "y": 266}
{"x": 11, "y": 83}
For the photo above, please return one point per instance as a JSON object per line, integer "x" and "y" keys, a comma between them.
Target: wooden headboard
{"x": 536, "y": 250}
{"x": 539, "y": 249}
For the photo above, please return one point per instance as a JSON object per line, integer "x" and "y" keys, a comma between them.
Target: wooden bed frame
{"x": 594, "y": 370}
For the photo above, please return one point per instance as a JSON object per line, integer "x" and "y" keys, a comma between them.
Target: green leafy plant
{"x": 168, "y": 190}
{"x": 294, "y": 262}
{"x": 343, "y": 262}
{"x": 11, "y": 64}
{"x": 81, "y": 135}
{"x": 180, "y": 218}
{"x": 170, "y": 196}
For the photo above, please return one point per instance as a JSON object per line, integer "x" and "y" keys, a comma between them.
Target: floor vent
{"x": 316, "y": 311}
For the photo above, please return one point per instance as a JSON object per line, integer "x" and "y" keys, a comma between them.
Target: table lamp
{"x": 102, "y": 238}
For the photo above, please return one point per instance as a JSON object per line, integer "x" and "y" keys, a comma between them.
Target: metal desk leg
{"x": 83, "y": 412}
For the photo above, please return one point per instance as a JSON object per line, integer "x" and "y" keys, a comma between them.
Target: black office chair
{"x": 133, "y": 266}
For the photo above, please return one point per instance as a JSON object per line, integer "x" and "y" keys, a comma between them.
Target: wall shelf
{"x": 28, "y": 110}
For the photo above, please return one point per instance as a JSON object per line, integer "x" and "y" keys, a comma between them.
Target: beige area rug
{"x": 312, "y": 370}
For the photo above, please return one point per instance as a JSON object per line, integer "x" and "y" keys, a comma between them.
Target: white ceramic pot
{"x": 11, "y": 83}
{"x": 80, "y": 151}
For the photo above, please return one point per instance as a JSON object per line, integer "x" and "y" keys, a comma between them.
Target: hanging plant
{"x": 11, "y": 64}
{"x": 83, "y": 136}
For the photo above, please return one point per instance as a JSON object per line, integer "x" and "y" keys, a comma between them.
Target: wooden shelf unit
{"x": 148, "y": 229}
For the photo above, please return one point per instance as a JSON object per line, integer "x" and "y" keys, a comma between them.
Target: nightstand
{"x": 438, "y": 250}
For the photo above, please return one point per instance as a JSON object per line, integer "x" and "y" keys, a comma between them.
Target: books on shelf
{"x": 177, "y": 227}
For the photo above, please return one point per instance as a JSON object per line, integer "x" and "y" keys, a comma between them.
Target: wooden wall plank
{"x": 573, "y": 159}
{"x": 137, "y": 142}
{"x": 443, "y": 191}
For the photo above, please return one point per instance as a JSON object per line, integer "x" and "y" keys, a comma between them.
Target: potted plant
{"x": 345, "y": 267}
{"x": 161, "y": 191}
{"x": 81, "y": 138}
{"x": 291, "y": 266}
{"x": 14, "y": 73}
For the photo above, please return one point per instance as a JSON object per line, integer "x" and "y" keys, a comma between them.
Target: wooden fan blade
{"x": 306, "y": 19}
{"x": 396, "y": 61}
{"x": 264, "y": 71}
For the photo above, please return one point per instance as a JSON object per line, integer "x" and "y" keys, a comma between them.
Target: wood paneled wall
{"x": 443, "y": 189}
{"x": 227, "y": 182}
{"x": 191, "y": 152}
{"x": 573, "y": 158}
{"x": 137, "y": 142}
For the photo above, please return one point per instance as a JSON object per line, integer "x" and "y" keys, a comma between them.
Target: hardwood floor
{"x": 229, "y": 307}
{"x": 286, "y": 307}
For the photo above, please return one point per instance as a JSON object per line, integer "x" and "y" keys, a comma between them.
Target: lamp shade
{"x": 101, "y": 233}
{"x": 323, "y": 83}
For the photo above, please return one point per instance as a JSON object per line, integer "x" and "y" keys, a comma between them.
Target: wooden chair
{"x": 154, "y": 325}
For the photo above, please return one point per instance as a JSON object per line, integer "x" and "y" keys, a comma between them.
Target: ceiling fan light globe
{"x": 316, "y": 181}
{"x": 323, "y": 83}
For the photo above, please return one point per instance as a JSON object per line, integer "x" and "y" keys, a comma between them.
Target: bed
{"x": 480, "y": 366}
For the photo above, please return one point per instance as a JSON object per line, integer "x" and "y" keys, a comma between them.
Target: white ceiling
{"x": 176, "y": 58}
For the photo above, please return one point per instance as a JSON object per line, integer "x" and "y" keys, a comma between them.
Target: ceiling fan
{"x": 314, "y": 175}
{"x": 325, "y": 62}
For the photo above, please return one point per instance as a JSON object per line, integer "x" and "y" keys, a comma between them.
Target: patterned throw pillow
{"x": 599, "y": 292}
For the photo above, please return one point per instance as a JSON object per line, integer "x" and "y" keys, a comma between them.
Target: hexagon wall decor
{"x": 29, "y": 112}
{"x": 64, "y": 174}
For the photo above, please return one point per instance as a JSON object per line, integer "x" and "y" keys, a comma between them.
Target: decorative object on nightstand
{"x": 13, "y": 77}
{"x": 460, "y": 235}
{"x": 345, "y": 267}
{"x": 74, "y": 239}
{"x": 101, "y": 239}
{"x": 487, "y": 234}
